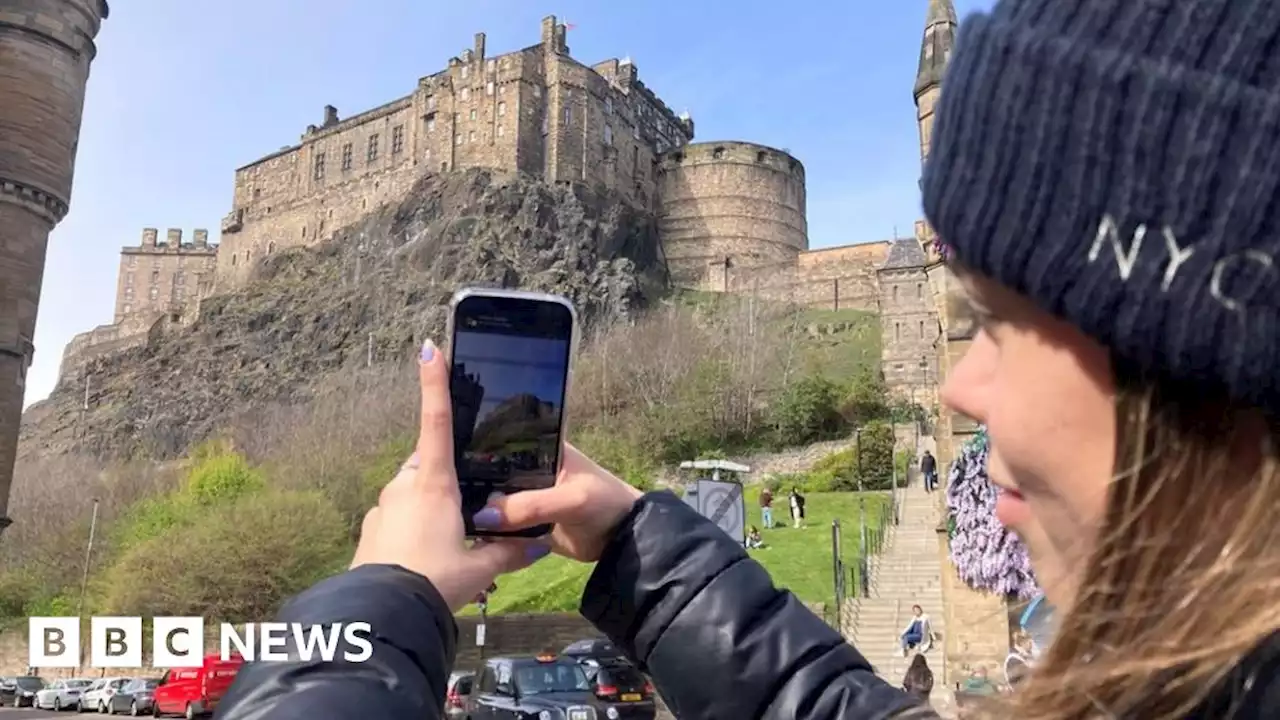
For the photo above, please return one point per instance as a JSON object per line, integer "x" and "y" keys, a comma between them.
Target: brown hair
{"x": 1182, "y": 581}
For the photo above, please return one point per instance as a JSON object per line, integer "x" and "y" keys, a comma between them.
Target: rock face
{"x": 380, "y": 287}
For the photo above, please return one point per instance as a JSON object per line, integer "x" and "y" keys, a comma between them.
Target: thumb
{"x": 487, "y": 561}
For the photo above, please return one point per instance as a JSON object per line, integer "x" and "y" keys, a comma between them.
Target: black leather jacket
{"x": 672, "y": 591}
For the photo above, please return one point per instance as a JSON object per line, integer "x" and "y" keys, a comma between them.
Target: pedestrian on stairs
{"x": 918, "y": 680}
{"x": 929, "y": 469}
{"x": 797, "y": 507}
{"x": 917, "y": 632}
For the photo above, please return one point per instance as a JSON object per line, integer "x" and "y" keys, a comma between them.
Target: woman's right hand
{"x": 585, "y": 505}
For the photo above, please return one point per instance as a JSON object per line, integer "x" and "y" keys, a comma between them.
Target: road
{"x": 29, "y": 714}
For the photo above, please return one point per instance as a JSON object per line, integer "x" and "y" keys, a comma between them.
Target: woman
{"x": 797, "y": 508}
{"x": 918, "y": 680}
{"x": 917, "y": 632}
{"x": 1104, "y": 171}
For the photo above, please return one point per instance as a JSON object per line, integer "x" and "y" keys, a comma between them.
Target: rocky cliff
{"x": 378, "y": 287}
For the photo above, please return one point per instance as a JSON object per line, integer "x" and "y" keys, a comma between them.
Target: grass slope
{"x": 799, "y": 560}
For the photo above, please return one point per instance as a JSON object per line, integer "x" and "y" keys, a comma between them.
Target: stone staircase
{"x": 908, "y": 571}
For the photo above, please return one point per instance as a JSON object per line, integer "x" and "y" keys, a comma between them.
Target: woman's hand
{"x": 585, "y": 506}
{"x": 417, "y": 523}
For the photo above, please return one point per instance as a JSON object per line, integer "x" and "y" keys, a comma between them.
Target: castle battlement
{"x": 172, "y": 243}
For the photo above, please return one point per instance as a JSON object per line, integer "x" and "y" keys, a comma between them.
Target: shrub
{"x": 238, "y": 563}
{"x": 807, "y": 411}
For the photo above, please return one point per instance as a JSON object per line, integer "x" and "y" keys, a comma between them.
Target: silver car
{"x": 135, "y": 698}
{"x": 61, "y": 694}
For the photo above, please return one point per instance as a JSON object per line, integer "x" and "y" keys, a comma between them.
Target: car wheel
{"x": 191, "y": 712}
{"x": 102, "y": 708}
{"x": 133, "y": 708}
{"x": 57, "y": 704}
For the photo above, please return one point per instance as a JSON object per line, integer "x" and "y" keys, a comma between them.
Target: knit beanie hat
{"x": 1118, "y": 162}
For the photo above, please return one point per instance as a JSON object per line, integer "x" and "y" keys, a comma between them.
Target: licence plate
{"x": 630, "y": 697}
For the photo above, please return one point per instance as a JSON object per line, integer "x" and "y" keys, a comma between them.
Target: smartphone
{"x": 509, "y": 357}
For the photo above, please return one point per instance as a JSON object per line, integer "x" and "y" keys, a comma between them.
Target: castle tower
{"x": 46, "y": 47}
{"x": 935, "y": 51}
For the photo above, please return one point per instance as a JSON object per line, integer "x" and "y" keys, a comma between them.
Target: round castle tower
{"x": 46, "y": 47}
{"x": 726, "y": 205}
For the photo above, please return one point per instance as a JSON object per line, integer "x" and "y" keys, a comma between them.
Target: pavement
{"x": 31, "y": 714}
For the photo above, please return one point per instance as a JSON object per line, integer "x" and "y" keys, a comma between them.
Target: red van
{"x": 193, "y": 692}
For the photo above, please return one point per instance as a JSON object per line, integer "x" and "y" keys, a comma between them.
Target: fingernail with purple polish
{"x": 487, "y": 519}
{"x": 428, "y": 351}
{"x": 535, "y": 553}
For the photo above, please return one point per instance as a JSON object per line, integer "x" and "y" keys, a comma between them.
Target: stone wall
{"x": 910, "y": 331}
{"x": 729, "y": 202}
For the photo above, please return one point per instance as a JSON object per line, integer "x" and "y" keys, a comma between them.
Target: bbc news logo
{"x": 178, "y": 642}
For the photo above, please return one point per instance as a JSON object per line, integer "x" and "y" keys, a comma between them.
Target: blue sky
{"x": 182, "y": 93}
{"x": 502, "y": 381}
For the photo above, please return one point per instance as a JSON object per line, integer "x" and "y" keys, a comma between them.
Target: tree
{"x": 987, "y": 555}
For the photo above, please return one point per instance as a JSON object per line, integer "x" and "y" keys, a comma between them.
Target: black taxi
{"x": 545, "y": 687}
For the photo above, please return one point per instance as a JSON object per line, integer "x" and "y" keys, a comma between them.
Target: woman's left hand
{"x": 417, "y": 523}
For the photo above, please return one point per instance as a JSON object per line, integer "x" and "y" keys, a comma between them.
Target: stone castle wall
{"x": 536, "y": 111}
{"x": 729, "y": 204}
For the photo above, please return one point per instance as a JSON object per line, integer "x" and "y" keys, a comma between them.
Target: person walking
{"x": 918, "y": 680}
{"x": 1104, "y": 174}
{"x": 766, "y": 507}
{"x": 929, "y": 469}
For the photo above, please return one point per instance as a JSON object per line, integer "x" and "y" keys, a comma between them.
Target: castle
{"x": 731, "y": 215}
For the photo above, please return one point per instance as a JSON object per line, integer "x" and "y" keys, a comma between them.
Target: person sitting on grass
{"x": 754, "y": 541}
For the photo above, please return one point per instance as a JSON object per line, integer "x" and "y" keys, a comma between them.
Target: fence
{"x": 854, "y": 579}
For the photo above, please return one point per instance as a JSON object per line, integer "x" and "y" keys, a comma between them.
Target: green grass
{"x": 840, "y": 355}
{"x": 799, "y": 560}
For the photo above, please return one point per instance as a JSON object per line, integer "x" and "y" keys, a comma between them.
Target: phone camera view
{"x": 510, "y": 366}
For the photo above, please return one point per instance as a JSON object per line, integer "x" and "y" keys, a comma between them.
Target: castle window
{"x": 179, "y": 278}
{"x": 304, "y": 232}
{"x": 431, "y": 102}
{"x": 718, "y": 153}
{"x": 427, "y": 155}
{"x": 257, "y": 193}
{"x": 466, "y": 70}
{"x": 501, "y": 131}
{"x": 128, "y": 293}
{"x": 608, "y": 105}
{"x": 502, "y": 109}
{"x": 128, "y": 279}
{"x": 897, "y": 334}
{"x": 635, "y": 131}
{"x": 895, "y": 293}
{"x": 473, "y": 115}
{"x": 248, "y": 255}
{"x": 608, "y": 135}
{"x": 502, "y": 89}
{"x": 346, "y": 156}
{"x": 431, "y": 125}
{"x": 319, "y": 169}
{"x": 466, "y": 94}
{"x": 921, "y": 329}
{"x": 488, "y": 88}
{"x": 471, "y": 136}
{"x": 271, "y": 247}
{"x": 373, "y": 147}
{"x": 233, "y": 261}
{"x": 155, "y": 276}
{"x": 444, "y": 167}
{"x": 760, "y": 156}
{"x": 457, "y": 138}
{"x": 155, "y": 293}
{"x": 127, "y": 309}
{"x": 397, "y": 139}
{"x": 568, "y": 115}
{"x": 537, "y": 91}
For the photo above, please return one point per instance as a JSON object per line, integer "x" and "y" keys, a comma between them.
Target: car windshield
{"x": 30, "y": 683}
{"x": 78, "y": 683}
{"x": 551, "y": 677}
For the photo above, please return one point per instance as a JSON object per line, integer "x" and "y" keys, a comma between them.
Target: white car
{"x": 61, "y": 694}
{"x": 98, "y": 696}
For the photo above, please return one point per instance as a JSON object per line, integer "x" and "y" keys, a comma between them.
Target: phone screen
{"x": 510, "y": 366}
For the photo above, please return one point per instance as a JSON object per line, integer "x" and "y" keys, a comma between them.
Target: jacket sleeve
{"x": 413, "y": 642}
{"x": 686, "y": 603}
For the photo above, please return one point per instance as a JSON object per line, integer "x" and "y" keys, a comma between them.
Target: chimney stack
{"x": 201, "y": 238}
{"x": 480, "y": 46}
{"x": 173, "y": 238}
{"x": 330, "y": 116}
{"x": 149, "y": 237}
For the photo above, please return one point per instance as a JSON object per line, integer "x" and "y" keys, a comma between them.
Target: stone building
{"x": 159, "y": 285}
{"x": 909, "y": 327}
{"x": 46, "y": 48}
{"x": 163, "y": 277}
{"x": 536, "y": 111}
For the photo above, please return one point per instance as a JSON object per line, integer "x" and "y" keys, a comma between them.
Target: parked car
{"x": 508, "y": 688}
{"x": 195, "y": 692}
{"x": 456, "y": 693}
{"x": 61, "y": 694}
{"x": 20, "y": 691}
{"x": 95, "y": 697}
{"x": 134, "y": 698}
{"x": 623, "y": 690}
